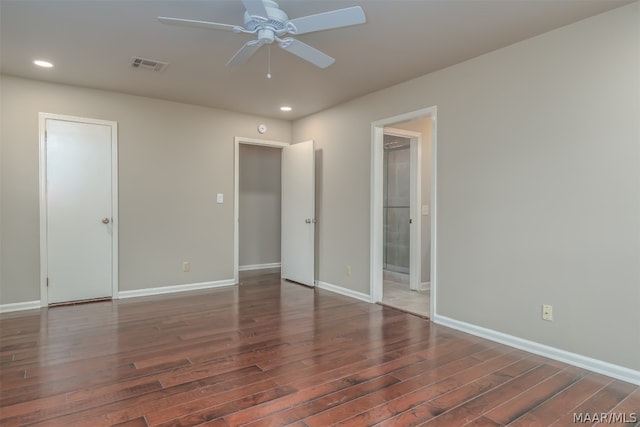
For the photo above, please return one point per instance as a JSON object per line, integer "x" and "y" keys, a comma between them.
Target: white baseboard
{"x": 30, "y": 305}
{"x": 595, "y": 365}
{"x": 175, "y": 288}
{"x": 19, "y": 306}
{"x": 425, "y": 286}
{"x": 343, "y": 291}
{"x": 258, "y": 266}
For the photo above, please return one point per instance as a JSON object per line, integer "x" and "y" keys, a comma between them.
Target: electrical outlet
{"x": 186, "y": 266}
{"x": 547, "y": 312}
{"x": 347, "y": 270}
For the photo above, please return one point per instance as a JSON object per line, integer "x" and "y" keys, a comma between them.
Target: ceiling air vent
{"x": 147, "y": 64}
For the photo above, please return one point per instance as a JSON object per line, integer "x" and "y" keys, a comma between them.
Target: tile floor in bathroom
{"x": 398, "y": 295}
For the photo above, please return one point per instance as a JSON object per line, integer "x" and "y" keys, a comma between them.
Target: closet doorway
{"x": 259, "y": 202}
{"x": 296, "y": 248}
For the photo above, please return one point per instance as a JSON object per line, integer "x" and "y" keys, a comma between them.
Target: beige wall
{"x": 538, "y": 186}
{"x": 173, "y": 159}
{"x": 259, "y": 205}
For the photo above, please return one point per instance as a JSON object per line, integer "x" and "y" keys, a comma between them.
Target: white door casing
{"x": 78, "y": 199}
{"x": 298, "y": 213}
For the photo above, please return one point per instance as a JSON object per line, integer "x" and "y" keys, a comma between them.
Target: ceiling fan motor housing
{"x": 267, "y": 28}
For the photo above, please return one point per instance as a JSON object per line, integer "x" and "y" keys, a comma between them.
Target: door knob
{"x": 308, "y": 220}
{"x": 105, "y": 221}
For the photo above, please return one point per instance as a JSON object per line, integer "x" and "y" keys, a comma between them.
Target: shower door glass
{"x": 396, "y": 178}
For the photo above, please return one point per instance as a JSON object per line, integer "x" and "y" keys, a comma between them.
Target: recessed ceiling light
{"x": 285, "y": 108}
{"x": 44, "y": 64}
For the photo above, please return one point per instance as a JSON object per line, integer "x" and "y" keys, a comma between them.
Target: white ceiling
{"x": 91, "y": 41}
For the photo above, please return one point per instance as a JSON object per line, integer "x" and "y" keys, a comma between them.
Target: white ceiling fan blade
{"x": 245, "y": 53}
{"x": 255, "y": 8}
{"x": 306, "y": 52}
{"x": 327, "y": 20}
{"x": 200, "y": 24}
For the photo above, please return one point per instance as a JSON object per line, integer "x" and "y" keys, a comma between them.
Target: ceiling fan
{"x": 265, "y": 20}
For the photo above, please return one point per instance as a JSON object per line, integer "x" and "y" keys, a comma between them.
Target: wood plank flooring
{"x": 268, "y": 353}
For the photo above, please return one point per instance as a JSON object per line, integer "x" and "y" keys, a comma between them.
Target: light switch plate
{"x": 220, "y": 198}
{"x": 425, "y": 210}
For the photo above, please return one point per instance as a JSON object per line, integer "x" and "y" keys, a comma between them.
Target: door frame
{"x": 415, "y": 197}
{"x": 44, "y": 273}
{"x": 236, "y": 193}
{"x": 377, "y": 202}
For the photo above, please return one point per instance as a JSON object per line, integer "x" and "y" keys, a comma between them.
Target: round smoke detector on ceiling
{"x": 262, "y": 128}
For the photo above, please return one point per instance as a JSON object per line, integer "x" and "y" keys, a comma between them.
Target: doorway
{"x": 403, "y": 212}
{"x": 78, "y": 209}
{"x": 297, "y": 213}
{"x": 259, "y": 202}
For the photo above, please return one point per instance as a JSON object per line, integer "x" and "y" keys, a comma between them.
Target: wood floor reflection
{"x": 275, "y": 353}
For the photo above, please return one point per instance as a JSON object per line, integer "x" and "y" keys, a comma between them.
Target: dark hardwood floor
{"x": 268, "y": 353}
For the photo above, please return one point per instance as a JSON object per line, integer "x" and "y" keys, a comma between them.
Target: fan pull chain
{"x": 269, "y": 61}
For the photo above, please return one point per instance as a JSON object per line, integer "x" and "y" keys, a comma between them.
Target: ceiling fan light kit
{"x": 268, "y": 23}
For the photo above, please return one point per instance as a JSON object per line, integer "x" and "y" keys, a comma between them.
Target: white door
{"x": 79, "y": 210}
{"x": 298, "y": 213}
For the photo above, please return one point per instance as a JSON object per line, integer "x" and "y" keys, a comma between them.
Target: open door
{"x": 298, "y": 213}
